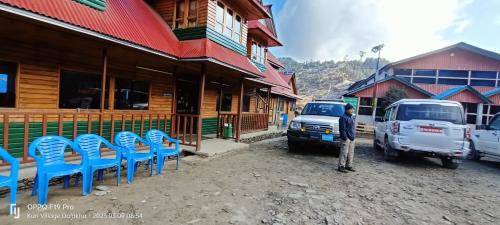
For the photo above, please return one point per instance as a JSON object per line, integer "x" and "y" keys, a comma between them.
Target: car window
{"x": 495, "y": 123}
{"x": 428, "y": 111}
{"x": 388, "y": 114}
{"x": 323, "y": 109}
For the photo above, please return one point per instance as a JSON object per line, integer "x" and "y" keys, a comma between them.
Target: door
{"x": 381, "y": 128}
{"x": 489, "y": 140}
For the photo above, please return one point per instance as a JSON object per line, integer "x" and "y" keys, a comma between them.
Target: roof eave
{"x": 74, "y": 28}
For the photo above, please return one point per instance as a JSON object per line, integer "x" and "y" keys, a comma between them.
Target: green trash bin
{"x": 228, "y": 130}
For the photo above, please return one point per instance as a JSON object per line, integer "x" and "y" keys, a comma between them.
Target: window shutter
{"x": 96, "y": 4}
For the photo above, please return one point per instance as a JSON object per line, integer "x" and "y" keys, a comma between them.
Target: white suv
{"x": 486, "y": 140}
{"x": 432, "y": 128}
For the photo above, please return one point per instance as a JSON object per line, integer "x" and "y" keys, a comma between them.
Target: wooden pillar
{"x": 219, "y": 125}
{"x": 111, "y": 97}
{"x": 103, "y": 89}
{"x": 240, "y": 110}
{"x": 200, "y": 105}
{"x": 103, "y": 78}
{"x": 268, "y": 108}
{"x": 173, "y": 107}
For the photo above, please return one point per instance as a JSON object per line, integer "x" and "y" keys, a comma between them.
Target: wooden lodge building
{"x": 188, "y": 67}
{"x": 460, "y": 72}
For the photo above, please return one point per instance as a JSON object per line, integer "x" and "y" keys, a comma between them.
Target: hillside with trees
{"x": 329, "y": 79}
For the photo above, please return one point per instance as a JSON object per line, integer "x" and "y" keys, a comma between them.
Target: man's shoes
{"x": 350, "y": 168}
{"x": 342, "y": 169}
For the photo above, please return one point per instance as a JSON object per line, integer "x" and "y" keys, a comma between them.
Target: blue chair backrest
{"x": 127, "y": 139}
{"x": 91, "y": 143}
{"x": 155, "y": 136}
{"x": 51, "y": 149}
{"x": 13, "y": 162}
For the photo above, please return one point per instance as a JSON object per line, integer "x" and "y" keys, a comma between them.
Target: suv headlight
{"x": 295, "y": 125}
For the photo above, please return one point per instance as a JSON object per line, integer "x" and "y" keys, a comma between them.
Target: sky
{"x": 339, "y": 29}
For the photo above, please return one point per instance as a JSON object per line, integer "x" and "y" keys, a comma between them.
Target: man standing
{"x": 347, "y": 134}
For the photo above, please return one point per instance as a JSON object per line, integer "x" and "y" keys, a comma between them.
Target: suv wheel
{"x": 375, "y": 144}
{"x": 389, "y": 153}
{"x": 292, "y": 146}
{"x": 448, "y": 163}
{"x": 474, "y": 154}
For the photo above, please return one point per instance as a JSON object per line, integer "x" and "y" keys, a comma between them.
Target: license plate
{"x": 327, "y": 137}
{"x": 431, "y": 130}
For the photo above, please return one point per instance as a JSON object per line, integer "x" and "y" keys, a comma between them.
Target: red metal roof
{"x": 271, "y": 58}
{"x": 286, "y": 78}
{"x": 282, "y": 87}
{"x": 205, "y": 48}
{"x": 257, "y": 28}
{"x": 129, "y": 20}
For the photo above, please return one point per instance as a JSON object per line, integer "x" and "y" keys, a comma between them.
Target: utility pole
{"x": 376, "y": 49}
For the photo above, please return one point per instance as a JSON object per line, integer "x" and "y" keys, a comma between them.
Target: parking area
{"x": 269, "y": 185}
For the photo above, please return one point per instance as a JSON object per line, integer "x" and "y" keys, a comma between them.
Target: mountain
{"x": 329, "y": 79}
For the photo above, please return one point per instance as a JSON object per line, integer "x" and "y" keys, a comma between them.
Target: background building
{"x": 459, "y": 72}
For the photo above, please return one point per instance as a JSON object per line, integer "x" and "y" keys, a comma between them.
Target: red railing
{"x": 254, "y": 122}
{"x": 20, "y": 128}
{"x": 184, "y": 128}
{"x": 227, "y": 119}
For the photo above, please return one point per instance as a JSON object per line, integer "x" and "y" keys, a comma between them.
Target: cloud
{"x": 326, "y": 29}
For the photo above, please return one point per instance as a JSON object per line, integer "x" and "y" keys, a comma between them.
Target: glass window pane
{"x": 8, "y": 73}
{"x": 179, "y": 9}
{"x": 227, "y": 99}
{"x": 192, "y": 8}
{"x": 131, "y": 94}
{"x": 79, "y": 90}
{"x": 486, "y": 83}
{"x": 402, "y": 71}
{"x": 220, "y": 13}
{"x": 484, "y": 74}
{"x": 246, "y": 103}
{"x": 425, "y": 73}
{"x": 454, "y": 73}
{"x": 452, "y": 81}
{"x": 420, "y": 80}
{"x": 494, "y": 109}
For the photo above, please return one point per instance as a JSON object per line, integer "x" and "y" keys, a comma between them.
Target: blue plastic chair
{"x": 91, "y": 144}
{"x": 10, "y": 181}
{"x": 156, "y": 138}
{"x": 48, "y": 151}
{"x": 127, "y": 141}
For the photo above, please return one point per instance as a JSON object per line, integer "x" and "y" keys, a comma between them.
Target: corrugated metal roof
{"x": 205, "y": 48}
{"x": 492, "y": 92}
{"x": 456, "y": 90}
{"x": 272, "y": 59}
{"x": 419, "y": 89}
{"x": 254, "y": 26}
{"x": 129, "y": 20}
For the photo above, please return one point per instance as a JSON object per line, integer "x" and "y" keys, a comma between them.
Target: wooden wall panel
{"x": 210, "y": 103}
{"x": 211, "y": 13}
{"x": 166, "y": 10}
{"x": 38, "y": 87}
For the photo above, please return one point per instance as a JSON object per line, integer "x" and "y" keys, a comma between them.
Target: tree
{"x": 393, "y": 95}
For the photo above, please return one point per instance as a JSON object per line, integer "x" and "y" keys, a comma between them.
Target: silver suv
{"x": 317, "y": 124}
{"x": 485, "y": 141}
{"x": 432, "y": 128}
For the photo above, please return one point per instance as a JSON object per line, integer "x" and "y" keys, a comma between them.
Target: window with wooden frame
{"x": 8, "y": 73}
{"x": 131, "y": 94}
{"x": 186, "y": 14}
{"x": 227, "y": 22}
{"x": 258, "y": 53}
{"x": 79, "y": 90}
{"x": 225, "y": 104}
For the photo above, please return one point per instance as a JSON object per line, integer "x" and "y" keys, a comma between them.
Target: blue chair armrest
{"x": 14, "y": 169}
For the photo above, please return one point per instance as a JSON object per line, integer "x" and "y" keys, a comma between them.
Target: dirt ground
{"x": 269, "y": 185}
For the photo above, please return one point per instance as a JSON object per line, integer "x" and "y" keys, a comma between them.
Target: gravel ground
{"x": 269, "y": 185}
